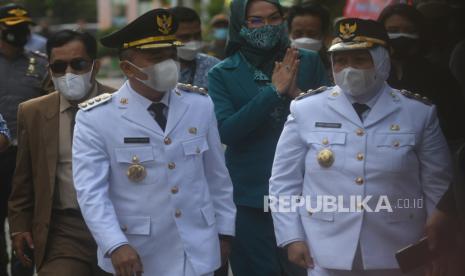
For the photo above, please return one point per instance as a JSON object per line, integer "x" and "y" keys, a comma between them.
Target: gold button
{"x": 167, "y": 141}
{"x": 171, "y": 165}
{"x": 325, "y": 141}
{"x": 395, "y": 127}
{"x": 175, "y": 190}
{"x": 124, "y": 228}
{"x": 396, "y": 144}
{"x": 360, "y": 156}
{"x": 359, "y": 180}
{"x": 360, "y": 132}
{"x": 177, "y": 213}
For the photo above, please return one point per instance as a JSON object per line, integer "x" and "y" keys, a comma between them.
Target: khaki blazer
{"x": 31, "y": 199}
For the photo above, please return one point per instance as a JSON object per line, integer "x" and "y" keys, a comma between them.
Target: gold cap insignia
{"x": 165, "y": 23}
{"x": 325, "y": 158}
{"x": 17, "y": 12}
{"x": 136, "y": 172}
{"x": 347, "y": 31}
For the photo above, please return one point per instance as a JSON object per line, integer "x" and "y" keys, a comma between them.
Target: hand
{"x": 294, "y": 91}
{"x": 440, "y": 230}
{"x": 298, "y": 253}
{"x": 225, "y": 247}
{"x": 438, "y": 267}
{"x": 19, "y": 242}
{"x": 4, "y": 143}
{"x": 126, "y": 261}
{"x": 284, "y": 72}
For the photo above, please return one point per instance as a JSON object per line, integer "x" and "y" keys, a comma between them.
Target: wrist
{"x": 278, "y": 92}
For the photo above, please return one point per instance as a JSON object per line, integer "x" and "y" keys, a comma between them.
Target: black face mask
{"x": 16, "y": 36}
{"x": 404, "y": 47}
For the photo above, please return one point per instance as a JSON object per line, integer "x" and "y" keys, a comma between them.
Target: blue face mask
{"x": 220, "y": 33}
{"x": 265, "y": 37}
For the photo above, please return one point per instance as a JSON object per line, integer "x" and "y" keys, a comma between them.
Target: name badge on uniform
{"x": 136, "y": 172}
{"x": 328, "y": 125}
{"x": 136, "y": 140}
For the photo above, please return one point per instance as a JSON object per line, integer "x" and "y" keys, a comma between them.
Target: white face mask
{"x": 73, "y": 87}
{"x": 399, "y": 35}
{"x": 356, "y": 82}
{"x": 307, "y": 43}
{"x": 190, "y": 50}
{"x": 162, "y": 76}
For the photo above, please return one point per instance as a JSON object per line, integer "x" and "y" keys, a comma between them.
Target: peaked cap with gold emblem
{"x": 154, "y": 29}
{"x": 355, "y": 34}
{"x": 14, "y": 14}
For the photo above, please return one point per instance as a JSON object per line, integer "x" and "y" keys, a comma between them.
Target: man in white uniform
{"x": 148, "y": 164}
{"x": 360, "y": 138}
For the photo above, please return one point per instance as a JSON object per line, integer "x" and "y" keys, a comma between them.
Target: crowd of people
{"x": 189, "y": 167}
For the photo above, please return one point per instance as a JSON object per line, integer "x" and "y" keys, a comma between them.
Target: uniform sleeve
{"x": 235, "y": 124}
{"x": 219, "y": 181}
{"x": 21, "y": 201}
{"x": 287, "y": 178}
{"x": 435, "y": 162}
{"x": 91, "y": 170}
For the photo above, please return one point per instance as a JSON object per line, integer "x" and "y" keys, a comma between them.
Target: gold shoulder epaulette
{"x": 95, "y": 101}
{"x": 192, "y": 89}
{"x": 416, "y": 96}
{"x": 311, "y": 92}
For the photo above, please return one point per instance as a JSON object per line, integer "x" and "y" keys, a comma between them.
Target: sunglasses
{"x": 77, "y": 64}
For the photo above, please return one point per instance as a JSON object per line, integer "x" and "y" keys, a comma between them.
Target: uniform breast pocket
{"x": 395, "y": 151}
{"x": 326, "y": 150}
{"x": 136, "y": 164}
{"x": 193, "y": 152}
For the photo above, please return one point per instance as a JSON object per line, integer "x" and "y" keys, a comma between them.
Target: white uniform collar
{"x": 143, "y": 100}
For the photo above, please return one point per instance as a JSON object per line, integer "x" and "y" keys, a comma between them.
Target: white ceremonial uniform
{"x": 397, "y": 151}
{"x": 173, "y": 215}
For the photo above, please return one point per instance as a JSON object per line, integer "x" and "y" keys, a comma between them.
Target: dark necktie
{"x": 360, "y": 109}
{"x": 73, "y": 110}
{"x": 157, "y": 110}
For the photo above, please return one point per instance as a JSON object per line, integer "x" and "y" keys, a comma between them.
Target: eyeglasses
{"x": 77, "y": 64}
{"x": 256, "y": 21}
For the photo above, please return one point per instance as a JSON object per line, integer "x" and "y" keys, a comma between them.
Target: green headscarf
{"x": 261, "y": 59}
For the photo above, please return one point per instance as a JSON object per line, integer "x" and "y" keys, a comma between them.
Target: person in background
{"x": 412, "y": 71}
{"x": 252, "y": 89}
{"x": 42, "y": 189}
{"x": 360, "y": 138}
{"x": 22, "y": 74}
{"x": 4, "y": 135}
{"x": 194, "y": 64}
{"x": 219, "y": 29}
{"x": 308, "y": 26}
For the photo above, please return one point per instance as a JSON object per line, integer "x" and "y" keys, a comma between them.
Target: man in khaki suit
{"x": 44, "y": 214}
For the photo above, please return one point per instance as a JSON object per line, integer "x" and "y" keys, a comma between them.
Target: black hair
{"x": 62, "y": 37}
{"x": 412, "y": 14}
{"x": 183, "y": 14}
{"x": 406, "y": 11}
{"x": 310, "y": 9}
